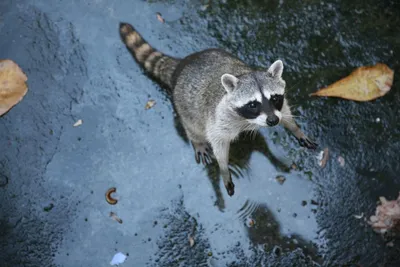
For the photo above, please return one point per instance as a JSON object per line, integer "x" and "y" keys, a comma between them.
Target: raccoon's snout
{"x": 272, "y": 120}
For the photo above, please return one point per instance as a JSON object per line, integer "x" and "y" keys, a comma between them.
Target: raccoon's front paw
{"x": 230, "y": 188}
{"x": 308, "y": 143}
{"x": 202, "y": 152}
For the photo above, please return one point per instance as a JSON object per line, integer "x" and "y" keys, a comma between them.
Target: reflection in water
{"x": 266, "y": 231}
{"x": 239, "y": 156}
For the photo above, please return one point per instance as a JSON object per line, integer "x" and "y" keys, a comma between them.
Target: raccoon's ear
{"x": 276, "y": 69}
{"x": 229, "y": 82}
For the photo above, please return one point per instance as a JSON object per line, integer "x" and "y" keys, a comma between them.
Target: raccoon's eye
{"x": 277, "y": 101}
{"x": 252, "y": 105}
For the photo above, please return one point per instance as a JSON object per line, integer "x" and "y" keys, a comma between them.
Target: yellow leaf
{"x": 12, "y": 85}
{"x": 363, "y": 84}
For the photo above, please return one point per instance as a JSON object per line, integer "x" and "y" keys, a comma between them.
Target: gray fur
{"x": 207, "y": 89}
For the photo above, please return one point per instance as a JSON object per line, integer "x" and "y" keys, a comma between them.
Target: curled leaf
{"x": 363, "y": 84}
{"x": 13, "y": 85}
{"x": 109, "y": 199}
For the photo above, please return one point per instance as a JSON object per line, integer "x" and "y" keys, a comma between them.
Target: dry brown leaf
{"x": 13, "y": 85}
{"x": 150, "y": 104}
{"x": 363, "y": 84}
{"x": 387, "y": 216}
{"x": 160, "y": 18}
{"x": 109, "y": 198}
{"x": 77, "y": 123}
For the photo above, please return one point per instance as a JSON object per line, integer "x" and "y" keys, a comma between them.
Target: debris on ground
{"x": 323, "y": 157}
{"x": 387, "y": 216}
{"x": 13, "y": 85}
{"x": 115, "y": 217}
{"x": 109, "y": 199}
{"x": 250, "y": 222}
{"x": 363, "y": 84}
{"x": 341, "y": 161}
{"x": 390, "y": 244}
{"x": 280, "y": 179}
{"x": 78, "y": 123}
{"x": 191, "y": 240}
{"x": 49, "y": 207}
{"x": 160, "y": 18}
{"x": 150, "y": 104}
{"x": 359, "y": 216}
{"x": 118, "y": 258}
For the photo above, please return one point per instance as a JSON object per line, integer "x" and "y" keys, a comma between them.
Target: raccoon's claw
{"x": 230, "y": 188}
{"x": 306, "y": 142}
{"x": 202, "y": 153}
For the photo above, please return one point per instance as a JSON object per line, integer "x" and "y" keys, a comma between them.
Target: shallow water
{"x": 53, "y": 210}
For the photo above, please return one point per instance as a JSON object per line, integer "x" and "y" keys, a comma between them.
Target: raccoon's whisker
{"x": 289, "y": 122}
{"x": 292, "y": 116}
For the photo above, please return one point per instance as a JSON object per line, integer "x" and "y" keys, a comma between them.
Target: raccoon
{"x": 217, "y": 96}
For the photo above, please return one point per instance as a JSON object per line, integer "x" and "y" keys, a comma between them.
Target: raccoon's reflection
{"x": 239, "y": 157}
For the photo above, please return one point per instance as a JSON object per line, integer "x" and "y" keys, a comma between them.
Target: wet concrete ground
{"x": 53, "y": 176}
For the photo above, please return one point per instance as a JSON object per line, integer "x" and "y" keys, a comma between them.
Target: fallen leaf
{"x": 115, "y": 217}
{"x": 341, "y": 161}
{"x": 13, "y": 85}
{"x": 387, "y": 216}
{"x": 78, "y": 123}
{"x": 191, "y": 241}
{"x": 363, "y": 84}
{"x": 109, "y": 198}
{"x": 251, "y": 222}
{"x": 323, "y": 157}
{"x": 280, "y": 179}
{"x": 118, "y": 259}
{"x": 150, "y": 104}
{"x": 160, "y": 18}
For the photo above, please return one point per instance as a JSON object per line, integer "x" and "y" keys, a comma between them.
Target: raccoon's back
{"x": 197, "y": 80}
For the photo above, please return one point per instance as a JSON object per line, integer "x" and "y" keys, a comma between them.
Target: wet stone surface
{"x": 53, "y": 176}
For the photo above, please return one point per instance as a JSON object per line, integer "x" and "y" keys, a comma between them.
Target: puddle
{"x": 79, "y": 69}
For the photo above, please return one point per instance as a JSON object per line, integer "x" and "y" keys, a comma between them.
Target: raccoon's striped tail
{"x": 158, "y": 65}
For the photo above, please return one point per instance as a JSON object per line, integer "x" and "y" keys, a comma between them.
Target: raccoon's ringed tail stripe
{"x": 143, "y": 51}
{"x": 131, "y": 39}
{"x": 148, "y": 64}
{"x": 156, "y": 63}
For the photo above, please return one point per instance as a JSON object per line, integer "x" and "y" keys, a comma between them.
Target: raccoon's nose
{"x": 272, "y": 120}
